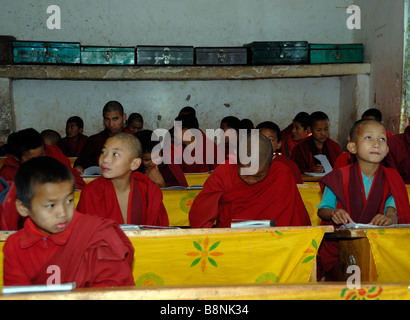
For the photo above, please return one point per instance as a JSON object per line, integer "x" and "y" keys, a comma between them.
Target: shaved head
{"x": 254, "y": 163}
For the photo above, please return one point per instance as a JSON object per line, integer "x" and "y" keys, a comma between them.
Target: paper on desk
{"x": 325, "y": 162}
{"x": 39, "y": 288}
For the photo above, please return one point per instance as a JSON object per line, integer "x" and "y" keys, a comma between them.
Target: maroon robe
{"x": 304, "y": 152}
{"x": 225, "y": 196}
{"x": 93, "y": 252}
{"x": 399, "y": 154}
{"x": 347, "y": 184}
{"x": 145, "y": 205}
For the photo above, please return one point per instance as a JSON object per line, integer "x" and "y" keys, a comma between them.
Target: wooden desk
{"x": 354, "y": 249}
{"x": 307, "y": 178}
{"x": 312, "y": 291}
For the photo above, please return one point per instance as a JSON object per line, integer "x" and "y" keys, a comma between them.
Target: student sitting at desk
{"x": 318, "y": 143}
{"x": 87, "y": 250}
{"x": 121, "y": 193}
{"x": 163, "y": 175}
{"x": 363, "y": 192}
{"x": 266, "y": 191}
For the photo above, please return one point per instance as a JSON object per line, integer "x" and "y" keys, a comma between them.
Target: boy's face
{"x": 116, "y": 160}
{"x": 252, "y": 179}
{"x": 298, "y": 132}
{"x": 273, "y": 138}
{"x": 72, "y": 130}
{"x": 52, "y": 207}
{"x": 33, "y": 153}
{"x": 113, "y": 121}
{"x": 135, "y": 126}
{"x": 370, "y": 144}
{"x": 320, "y": 130}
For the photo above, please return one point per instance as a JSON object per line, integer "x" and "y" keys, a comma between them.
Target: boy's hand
{"x": 80, "y": 169}
{"x": 318, "y": 168}
{"x": 383, "y": 220}
{"x": 340, "y": 216}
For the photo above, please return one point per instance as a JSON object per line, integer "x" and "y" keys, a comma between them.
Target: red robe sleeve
{"x": 56, "y": 153}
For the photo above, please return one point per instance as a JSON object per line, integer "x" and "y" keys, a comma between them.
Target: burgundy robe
{"x": 304, "y": 152}
{"x": 225, "y": 196}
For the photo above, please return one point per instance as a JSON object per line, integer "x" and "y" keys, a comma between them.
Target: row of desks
{"x": 354, "y": 249}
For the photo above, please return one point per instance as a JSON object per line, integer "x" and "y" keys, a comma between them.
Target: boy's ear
{"x": 135, "y": 164}
{"x": 351, "y": 147}
{"x": 22, "y": 209}
{"x": 279, "y": 146}
{"x": 81, "y": 130}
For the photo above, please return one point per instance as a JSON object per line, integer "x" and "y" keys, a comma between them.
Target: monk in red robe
{"x": 74, "y": 141}
{"x": 363, "y": 192}
{"x": 318, "y": 143}
{"x": 121, "y": 194}
{"x": 87, "y": 250}
{"x": 114, "y": 118}
{"x": 199, "y": 153}
{"x": 299, "y": 129}
{"x": 266, "y": 191}
{"x": 271, "y": 131}
{"x": 164, "y": 174}
{"x": 399, "y": 154}
{"x": 28, "y": 143}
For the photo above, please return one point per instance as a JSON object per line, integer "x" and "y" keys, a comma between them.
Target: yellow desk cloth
{"x": 226, "y": 258}
{"x": 391, "y": 253}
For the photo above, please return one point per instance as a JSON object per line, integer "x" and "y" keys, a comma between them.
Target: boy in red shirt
{"x": 87, "y": 250}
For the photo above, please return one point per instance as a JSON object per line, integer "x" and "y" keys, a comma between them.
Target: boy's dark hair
{"x": 147, "y": 141}
{"x": 232, "y": 122}
{"x": 187, "y": 110}
{"x": 77, "y": 120}
{"x": 357, "y": 124}
{"x": 374, "y": 113}
{"x": 135, "y": 117}
{"x": 37, "y": 171}
{"x": 24, "y": 140}
{"x": 318, "y": 116}
{"x": 304, "y": 119}
{"x": 112, "y": 106}
{"x": 188, "y": 121}
{"x": 246, "y": 124}
{"x": 272, "y": 126}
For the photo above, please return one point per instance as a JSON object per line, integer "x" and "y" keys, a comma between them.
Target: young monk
{"x": 121, "y": 194}
{"x": 163, "y": 175}
{"x": 241, "y": 191}
{"x": 363, "y": 192}
{"x": 318, "y": 143}
{"x": 399, "y": 154}
{"x": 299, "y": 129}
{"x": 271, "y": 131}
{"x": 25, "y": 145}
{"x": 114, "y": 118}
{"x": 74, "y": 141}
{"x": 135, "y": 123}
{"x": 199, "y": 149}
{"x": 230, "y": 125}
{"x": 87, "y": 250}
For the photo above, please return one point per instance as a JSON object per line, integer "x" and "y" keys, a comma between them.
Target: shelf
{"x": 176, "y": 73}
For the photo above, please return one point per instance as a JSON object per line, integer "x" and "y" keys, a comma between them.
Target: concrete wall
{"x": 47, "y": 104}
{"x": 382, "y": 32}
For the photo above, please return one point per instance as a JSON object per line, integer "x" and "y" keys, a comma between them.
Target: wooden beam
{"x": 176, "y": 73}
